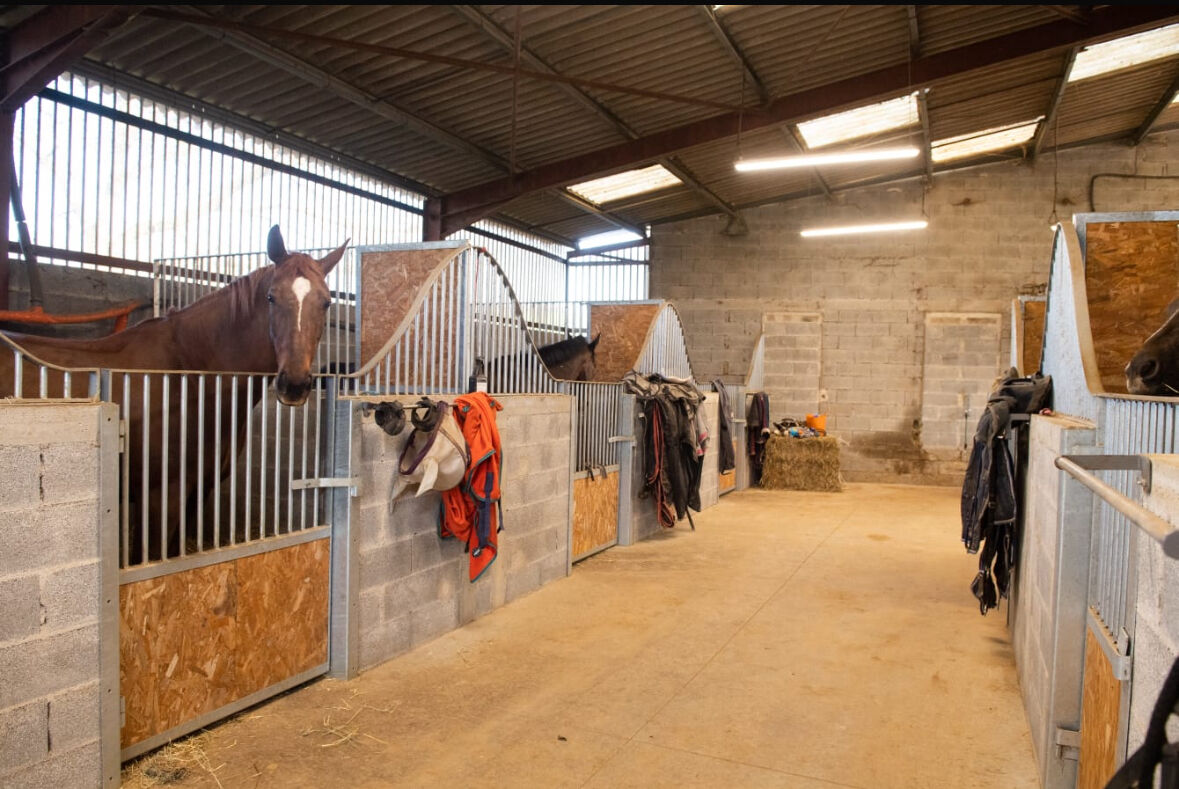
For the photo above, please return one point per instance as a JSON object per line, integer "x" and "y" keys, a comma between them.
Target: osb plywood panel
{"x": 392, "y": 287}
{"x": 624, "y": 330}
{"x": 194, "y": 641}
{"x": 177, "y": 634}
{"x": 1033, "y": 335}
{"x": 728, "y": 481}
{"x": 1132, "y": 274}
{"x": 282, "y": 614}
{"x": 595, "y": 513}
{"x": 1100, "y": 701}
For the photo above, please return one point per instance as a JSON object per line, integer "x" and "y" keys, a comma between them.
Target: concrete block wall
{"x": 794, "y": 346}
{"x": 958, "y": 374}
{"x": 414, "y": 586}
{"x": 1048, "y": 598}
{"x": 1156, "y": 631}
{"x": 988, "y": 241}
{"x": 72, "y": 291}
{"x": 55, "y": 675}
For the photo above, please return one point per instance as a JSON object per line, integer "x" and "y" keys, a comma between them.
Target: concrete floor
{"x": 794, "y": 640}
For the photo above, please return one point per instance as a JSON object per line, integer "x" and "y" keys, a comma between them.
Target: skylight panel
{"x": 622, "y": 185}
{"x": 1125, "y": 52}
{"x": 861, "y": 122}
{"x": 607, "y": 239}
{"x": 986, "y": 141}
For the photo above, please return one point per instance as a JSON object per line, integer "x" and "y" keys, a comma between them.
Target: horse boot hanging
{"x": 432, "y": 464}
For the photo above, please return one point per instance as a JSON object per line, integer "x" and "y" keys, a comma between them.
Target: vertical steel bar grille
{"x": 1130, "y": 426}
{"x": 210, "y": 463}
{"x": 597, "y": 417}
{"x": 666, "y": 352}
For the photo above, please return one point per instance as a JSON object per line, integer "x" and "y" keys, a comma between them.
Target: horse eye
{"x": 327, "y": 303}
{"x": 270, "y": 297}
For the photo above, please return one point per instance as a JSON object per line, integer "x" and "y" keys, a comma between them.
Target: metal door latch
{"x": 327, "y": 482}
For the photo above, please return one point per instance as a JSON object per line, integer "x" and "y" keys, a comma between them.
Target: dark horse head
{"x": 1154, "y": 370}
{"x": 298, "y": 299}
{"x": 570, "y": 360}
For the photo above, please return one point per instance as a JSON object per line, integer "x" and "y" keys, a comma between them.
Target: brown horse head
{"x": 298, "y": 298}
{"x": 570, "y": 360}
{"x": 1154, "y": 370}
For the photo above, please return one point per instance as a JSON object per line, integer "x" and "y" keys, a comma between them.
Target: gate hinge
{"x": 1068, "y": 743}
{"x": 122, "y": 712}
{"x": 327, "y": 482}
{"x": 122, "y": 436}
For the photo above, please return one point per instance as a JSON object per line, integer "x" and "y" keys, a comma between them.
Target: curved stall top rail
{"x": 434, "y": 314}
{"x": 24, "y": 376}
{"x": 1068, "y": 339}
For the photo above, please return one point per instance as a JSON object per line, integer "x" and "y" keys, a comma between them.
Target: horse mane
{"x": 242, "y": 294}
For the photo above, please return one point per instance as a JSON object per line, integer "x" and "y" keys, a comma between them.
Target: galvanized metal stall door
{"x": 225, "y": 525}
{"x": 603, "y": 437}
{"x": 225, "y": 548}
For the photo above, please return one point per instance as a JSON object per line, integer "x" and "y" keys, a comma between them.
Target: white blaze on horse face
{"x": 300, "y": 287}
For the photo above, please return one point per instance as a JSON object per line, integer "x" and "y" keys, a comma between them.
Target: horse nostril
{"x": 1148, "y": 369}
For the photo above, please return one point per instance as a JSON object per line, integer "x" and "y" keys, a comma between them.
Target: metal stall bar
{"x": 1081, "y": 466}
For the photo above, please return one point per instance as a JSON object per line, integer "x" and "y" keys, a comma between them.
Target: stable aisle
{"x": 803, "y": 640}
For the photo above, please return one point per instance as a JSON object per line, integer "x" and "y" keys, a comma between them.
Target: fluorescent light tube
{"x": 821, "y": 159}
{"x": 818, "y": 232}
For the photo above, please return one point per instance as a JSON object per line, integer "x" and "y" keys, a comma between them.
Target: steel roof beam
{"x": 280, "y": 58}
{"x": 428, "y": 57}
{"x": 43, "y": 46}
{"x": 492, "y": 30}
{"x": 1152, "y": 118}
{"x": 922, "y": 98}
{"x": 590, "y": 208}
{"x": 792, "y": 134}
{"x": 734, "y": 52}
{"x": 468, "y": 205}
{"x": 1053, "y": 106}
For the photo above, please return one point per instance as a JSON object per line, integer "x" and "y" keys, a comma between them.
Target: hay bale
{"x": 802, "y": 464}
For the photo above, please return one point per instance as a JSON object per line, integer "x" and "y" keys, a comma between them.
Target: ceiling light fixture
{"x": 886, "y": 227}
{"x": 822, "y": 159}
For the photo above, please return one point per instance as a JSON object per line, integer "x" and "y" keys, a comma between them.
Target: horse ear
{"x": 276, "y": 250}
{"x": 1172, "y": 308}
{"x": 329, "y": 261}
{"x": 595, "y": 342}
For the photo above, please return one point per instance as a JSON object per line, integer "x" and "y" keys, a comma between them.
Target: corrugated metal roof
{"x": 450, "y": 126}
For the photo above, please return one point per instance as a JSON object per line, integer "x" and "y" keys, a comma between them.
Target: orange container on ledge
{"x": 817, "y": 422}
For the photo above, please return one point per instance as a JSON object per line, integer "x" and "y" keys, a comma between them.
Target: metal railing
{"x": 25, "y": 377}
